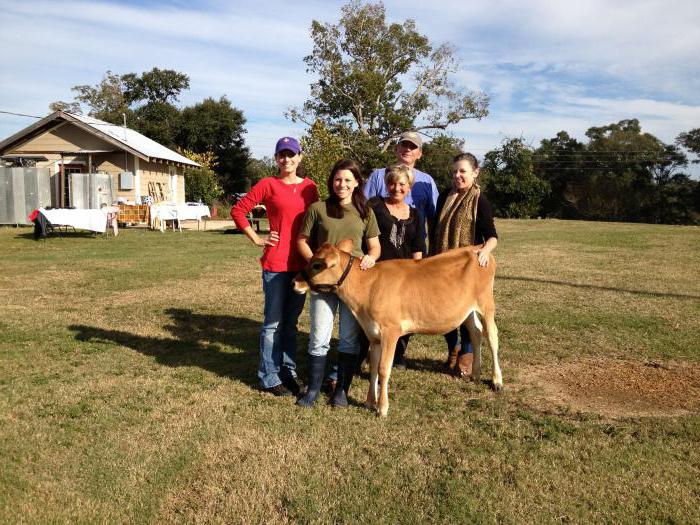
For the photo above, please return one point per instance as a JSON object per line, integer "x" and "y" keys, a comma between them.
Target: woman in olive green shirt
{"x": 343, "y": 215}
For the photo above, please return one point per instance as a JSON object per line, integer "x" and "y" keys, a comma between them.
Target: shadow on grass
{"x": 437, "y": 366}
{"x": 198, "y": 340}
{"x": 434, "y": 366}
{"x": 80, "y": 234}
{"x": 597, "y": 287}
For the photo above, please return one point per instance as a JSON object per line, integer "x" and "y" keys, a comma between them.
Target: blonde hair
{"x": 396, "y": 171}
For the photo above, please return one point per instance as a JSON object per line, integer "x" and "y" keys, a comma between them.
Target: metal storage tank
{"x": 90, "y": 190}
{"x": 23, "y": 190}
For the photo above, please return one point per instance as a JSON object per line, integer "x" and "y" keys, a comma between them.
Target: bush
{"x": 221, "y": 209}
{"x": 201, "y": 185}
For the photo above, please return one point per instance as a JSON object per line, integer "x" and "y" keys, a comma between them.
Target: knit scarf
{"x": 456, "y": 226}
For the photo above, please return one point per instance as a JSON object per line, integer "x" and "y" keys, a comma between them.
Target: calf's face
{"x": 322, "y": 272}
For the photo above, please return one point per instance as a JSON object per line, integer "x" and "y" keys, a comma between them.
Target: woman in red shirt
{"x": 286, "y": 198}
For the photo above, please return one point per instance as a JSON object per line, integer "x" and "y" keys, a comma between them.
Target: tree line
{"x": 374, "y": 80}
{"x": 619, "y": 174}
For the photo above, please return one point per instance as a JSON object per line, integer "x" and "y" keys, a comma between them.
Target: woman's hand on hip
{"x": 269, "y": 240}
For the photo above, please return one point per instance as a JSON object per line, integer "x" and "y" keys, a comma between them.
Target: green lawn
{"x": 128, "y": 374}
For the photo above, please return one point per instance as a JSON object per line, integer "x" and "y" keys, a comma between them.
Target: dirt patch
{"x": 618, "y": 388}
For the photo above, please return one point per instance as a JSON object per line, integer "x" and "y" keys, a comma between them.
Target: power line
{"x": 19, "y": 114}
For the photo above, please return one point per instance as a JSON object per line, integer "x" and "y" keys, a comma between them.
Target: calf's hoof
{"x": 498, "y": 387}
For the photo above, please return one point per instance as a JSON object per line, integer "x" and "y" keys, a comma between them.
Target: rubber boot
{"x": 452, "y": 360}
{"x": 317, "y": 366}
{"x": 364, "y": 353}
{"x": 346, "y": 370}
{"x": 399, "y": 359}
{"x": 463, "y": 369}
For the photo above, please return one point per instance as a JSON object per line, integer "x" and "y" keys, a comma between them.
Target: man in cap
{"x": 423, "y": 196}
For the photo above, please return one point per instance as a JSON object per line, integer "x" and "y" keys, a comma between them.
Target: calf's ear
{"x": 345, "y": 245}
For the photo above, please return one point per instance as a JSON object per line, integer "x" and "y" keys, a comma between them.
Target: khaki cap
{"x": 412, "y": 137}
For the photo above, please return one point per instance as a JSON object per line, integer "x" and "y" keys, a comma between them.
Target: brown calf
{"x": 397, "y": 297}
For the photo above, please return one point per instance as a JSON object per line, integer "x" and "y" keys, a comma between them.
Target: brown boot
{"x": 451, "y": 363}
{"x": 463, "y": 369}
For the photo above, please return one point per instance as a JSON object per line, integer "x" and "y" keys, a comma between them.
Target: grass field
{"x": 128, "y": 374}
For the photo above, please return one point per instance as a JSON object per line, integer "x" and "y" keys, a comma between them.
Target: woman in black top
{"x": 398, "y": 223}
{"x": 463, "y": 218}
{"x": 399, "y": 230}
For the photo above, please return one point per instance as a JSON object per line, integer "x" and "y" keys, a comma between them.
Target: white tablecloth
{"x": 181, "y": 212}
{"x": 93, "y": 220}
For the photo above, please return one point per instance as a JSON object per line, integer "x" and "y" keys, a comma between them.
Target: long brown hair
{"x": 333, "y": 206}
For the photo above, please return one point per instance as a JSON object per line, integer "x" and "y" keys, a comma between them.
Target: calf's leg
{"x": 492, "y": 335}
{"x": 475, "y": 328}
{"x": 389, "y": 338}
{"x": 375, "y": 353}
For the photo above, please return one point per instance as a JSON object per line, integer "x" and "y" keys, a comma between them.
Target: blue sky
{"x": 547, "y": 65}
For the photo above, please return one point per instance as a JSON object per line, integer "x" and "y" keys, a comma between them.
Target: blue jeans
{"x": 323, "y": 308}
{"x": 451, "y": 338}
{"x": 278, "y": 337}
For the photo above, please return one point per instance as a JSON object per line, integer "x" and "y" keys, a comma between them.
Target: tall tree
{"x": 376, "y": 80}
{"x": 510, "y": 182}
{"x": 321, "y": 149}
{"x": 672, "y": 194}
{"x": 217, "y": 126}
{"x": 117, "y": 95}
{"x": 621, "y": 179}
{"x": 159, "y": 121}
{"x": 668, "y": 164}
{"x": 69, "y": 107}
{"x": 257, "y": 169}
{"x": 437, "y": 158}
{"x": 690, "y": 140}
{"x": 675, "y": 201}
{"x": 560, "y": 162}
{"x": 156, "y": 85}
{"x": 105, "y": 100}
